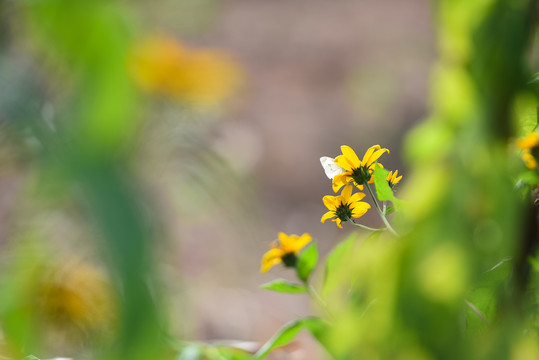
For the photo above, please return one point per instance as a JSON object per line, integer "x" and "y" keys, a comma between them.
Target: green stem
{"x": 318, "y": 299}
{"x": 364, "y": 226}
{"x": 388, "y": 225}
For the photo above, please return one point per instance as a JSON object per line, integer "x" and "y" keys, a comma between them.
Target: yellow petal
{"x": 346, "y": 193}
{"x": 350, "y": 156}
{"x": 330, "y": 202}
{"x": 338, "y": 222}
{"x": 340, "y": 180}
{"x": 301, "y": 241}
{"x": 368, "y": 154}
{"x": 530, "y": 161}
{"x": 356, "y": 197}
{"x": 530, "y": 141}
{"x": 283, "y": 238}
{"x": 327, "y": 215}
{"x": 374, "y": 157}
{"x": 343, "y": 162}
{"x": 359, "y": 209}
{"x": 271, "y": 258}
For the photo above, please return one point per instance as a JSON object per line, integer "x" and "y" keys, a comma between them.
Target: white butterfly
{"x": 330, "y": 167}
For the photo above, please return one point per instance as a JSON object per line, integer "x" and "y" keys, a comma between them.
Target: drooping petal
{"x": 375, "y": 157}
{"x": 368, "y": 154}
{"x": 350, "y": 156}
{"x": 330, "y": 202}
{"x": 271, "y": 258}
{"x": 356, "y": 197}
{"x": 340, "y": 180}
{"x": 338, "y": 222}
{"x": 328, "y": 215}
{"x": 301, "y": 241}
{"x": 359, "y": 209}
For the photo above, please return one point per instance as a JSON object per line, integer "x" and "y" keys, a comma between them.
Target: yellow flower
{"x": 530, "y": 141}
{"x": 164, "y": 66}
{"x": 345, "y": 206}
{"x": 392, "y": 178}
{"x": 75, "y": 297}
{"x": 357, "y": 172}
{"x": 284, "y": 250}
{"x": 529, "y": 145}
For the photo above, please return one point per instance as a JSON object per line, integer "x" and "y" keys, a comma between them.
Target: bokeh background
{"x": 219, "y": 182}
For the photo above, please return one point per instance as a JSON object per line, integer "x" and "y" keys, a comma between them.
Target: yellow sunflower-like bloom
{"x": 357, "y": 172}
{"x": 284, "y": 250}
{"x": 164, "y": 66}
{"x": 393, "y": 178}
{"x": 529, "y": 145}
{"x": 345, "y": 206}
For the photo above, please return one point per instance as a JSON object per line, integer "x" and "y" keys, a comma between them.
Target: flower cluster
{"x": 348, "y": 171}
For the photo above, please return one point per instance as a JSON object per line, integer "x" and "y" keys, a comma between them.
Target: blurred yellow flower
{"x": 529, "y": 144}
{"x": 75, "y": 297}
{"x": 357, "y": 172}
{"x": 393, "y": 178}
{"x": 164, "y": 66}
{"x": 344, "y": 207}
{"x": 284, "y": 250}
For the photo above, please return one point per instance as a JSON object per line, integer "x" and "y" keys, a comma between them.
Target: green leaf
{"x": 283, "y": 337}
{"x": 319, "y": 329}
{"x": 383, "y": 191}
{"x": 307, "y": 261}
{"x": 284, "y": 286}
{"x": 390, "y": 210}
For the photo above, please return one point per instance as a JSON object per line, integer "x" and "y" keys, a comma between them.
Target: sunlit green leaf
{"x": 307, "y": 261}
{"x": 284, "y": 286}
{"x": 383, "y": 191}
{"x": 283, "y": 337}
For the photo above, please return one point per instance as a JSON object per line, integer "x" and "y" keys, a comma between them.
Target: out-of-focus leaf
{"x": 319, "y": 330}
{"x": 190, "y": 352}
{"x": 334, "y": 261}
{"x": 307, "y": 261}
{"x": 486, "y": 292}
{"x": 283, "y": 337}
{"x": 284, "y": 286}
{"x": 390, "y": 210}
{"x": 231, "y": 354}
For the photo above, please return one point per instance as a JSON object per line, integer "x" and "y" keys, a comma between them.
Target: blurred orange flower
{"x": 164, "y": 66}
